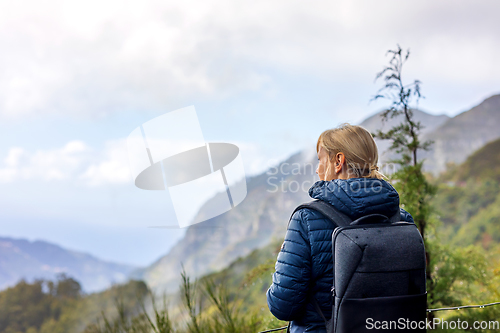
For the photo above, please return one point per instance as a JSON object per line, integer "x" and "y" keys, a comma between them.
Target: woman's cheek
{"x": 320, "y": 171}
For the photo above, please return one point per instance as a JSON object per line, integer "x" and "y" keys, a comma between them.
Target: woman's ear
{"x": 339, "y": 160}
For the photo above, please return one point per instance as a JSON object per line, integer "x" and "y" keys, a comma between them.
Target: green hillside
{"x": 468, "y": 199}
{"x": 481, "y": 165}
{"x": 483, "y": 228}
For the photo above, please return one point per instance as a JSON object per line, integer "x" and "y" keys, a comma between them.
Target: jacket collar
{"x": 357, "y": 197}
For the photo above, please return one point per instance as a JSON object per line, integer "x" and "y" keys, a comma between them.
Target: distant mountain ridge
{"x": 20, "y": 258}
{"x": 430, "y": 123}
{"x": 463, "y": 134}
{"x": 454, "y": 138}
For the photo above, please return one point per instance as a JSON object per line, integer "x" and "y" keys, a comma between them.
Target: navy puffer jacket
{"x": 304, "y": 268}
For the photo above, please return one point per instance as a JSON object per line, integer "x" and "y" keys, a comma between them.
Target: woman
{"x": 351, "y": 182}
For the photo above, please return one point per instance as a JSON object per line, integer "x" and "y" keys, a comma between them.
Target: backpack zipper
{"x": 337, "y": 230}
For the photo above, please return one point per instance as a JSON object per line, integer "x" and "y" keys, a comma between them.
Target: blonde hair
{"x": 358, "y": 147}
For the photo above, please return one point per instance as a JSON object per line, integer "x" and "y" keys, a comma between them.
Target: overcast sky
{"x": 78, "y": 76}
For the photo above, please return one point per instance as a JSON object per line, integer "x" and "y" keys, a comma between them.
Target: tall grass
{"x": 129, "y": 322}
{"x": 221, "y": 315}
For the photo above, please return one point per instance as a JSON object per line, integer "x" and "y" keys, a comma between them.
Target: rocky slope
{"x": 463, "y": 134}
{"x": 454, "y": 138}
{"x": 262, "y": 216}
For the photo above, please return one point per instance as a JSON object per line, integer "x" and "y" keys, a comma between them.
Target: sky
{"x": 267, "y": 76}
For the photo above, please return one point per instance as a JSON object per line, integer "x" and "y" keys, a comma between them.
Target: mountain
{"x": 463, "y": 134}
{"x": 263, "y": 216}
{"x": 454, "y": 138}
{"x": 430, "y": 123}
{"x": 23, "y": 259}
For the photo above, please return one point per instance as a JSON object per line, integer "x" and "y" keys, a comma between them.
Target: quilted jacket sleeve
{"x": 287, "y": 295}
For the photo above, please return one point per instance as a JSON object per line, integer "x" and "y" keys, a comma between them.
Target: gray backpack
{"x": 379, "y": 273}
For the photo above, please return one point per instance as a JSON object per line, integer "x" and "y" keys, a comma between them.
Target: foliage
{"x": 27, "y": 306}
{"x": 483, "y": 228}
{"x": 188, "y": 290}
{"x": 233, "y": 300}
{"x": 459, "y": 270}
{"x": 128, "y": 322}
{"x": 404, "y": 136}
{"x": 59, "y": 306}
{"x": 485, "y": 290}
{"x": 459, "y": 203}
{"x": 416, "y": 194}
{"x": 452, "y": 272}
{"x": 220, "y": 316}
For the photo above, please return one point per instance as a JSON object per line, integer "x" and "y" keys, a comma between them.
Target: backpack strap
{"x": 337, "y": 218}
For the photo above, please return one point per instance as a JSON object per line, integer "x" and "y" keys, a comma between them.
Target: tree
{"x": 414, "y": 189}
{"x": 67, "y": 287}
{"x": 453, "y": 274}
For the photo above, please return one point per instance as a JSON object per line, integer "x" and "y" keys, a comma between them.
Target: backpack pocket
{"x": 385, "y": 314}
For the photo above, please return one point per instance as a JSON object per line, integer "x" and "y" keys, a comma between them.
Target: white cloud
{"x": 74, "y": 162}
{"x": 78, "y": 163}
{"x": 45, "y": 165}
{"x": 97, "y": 57}
{"x": 111, "y": 166}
